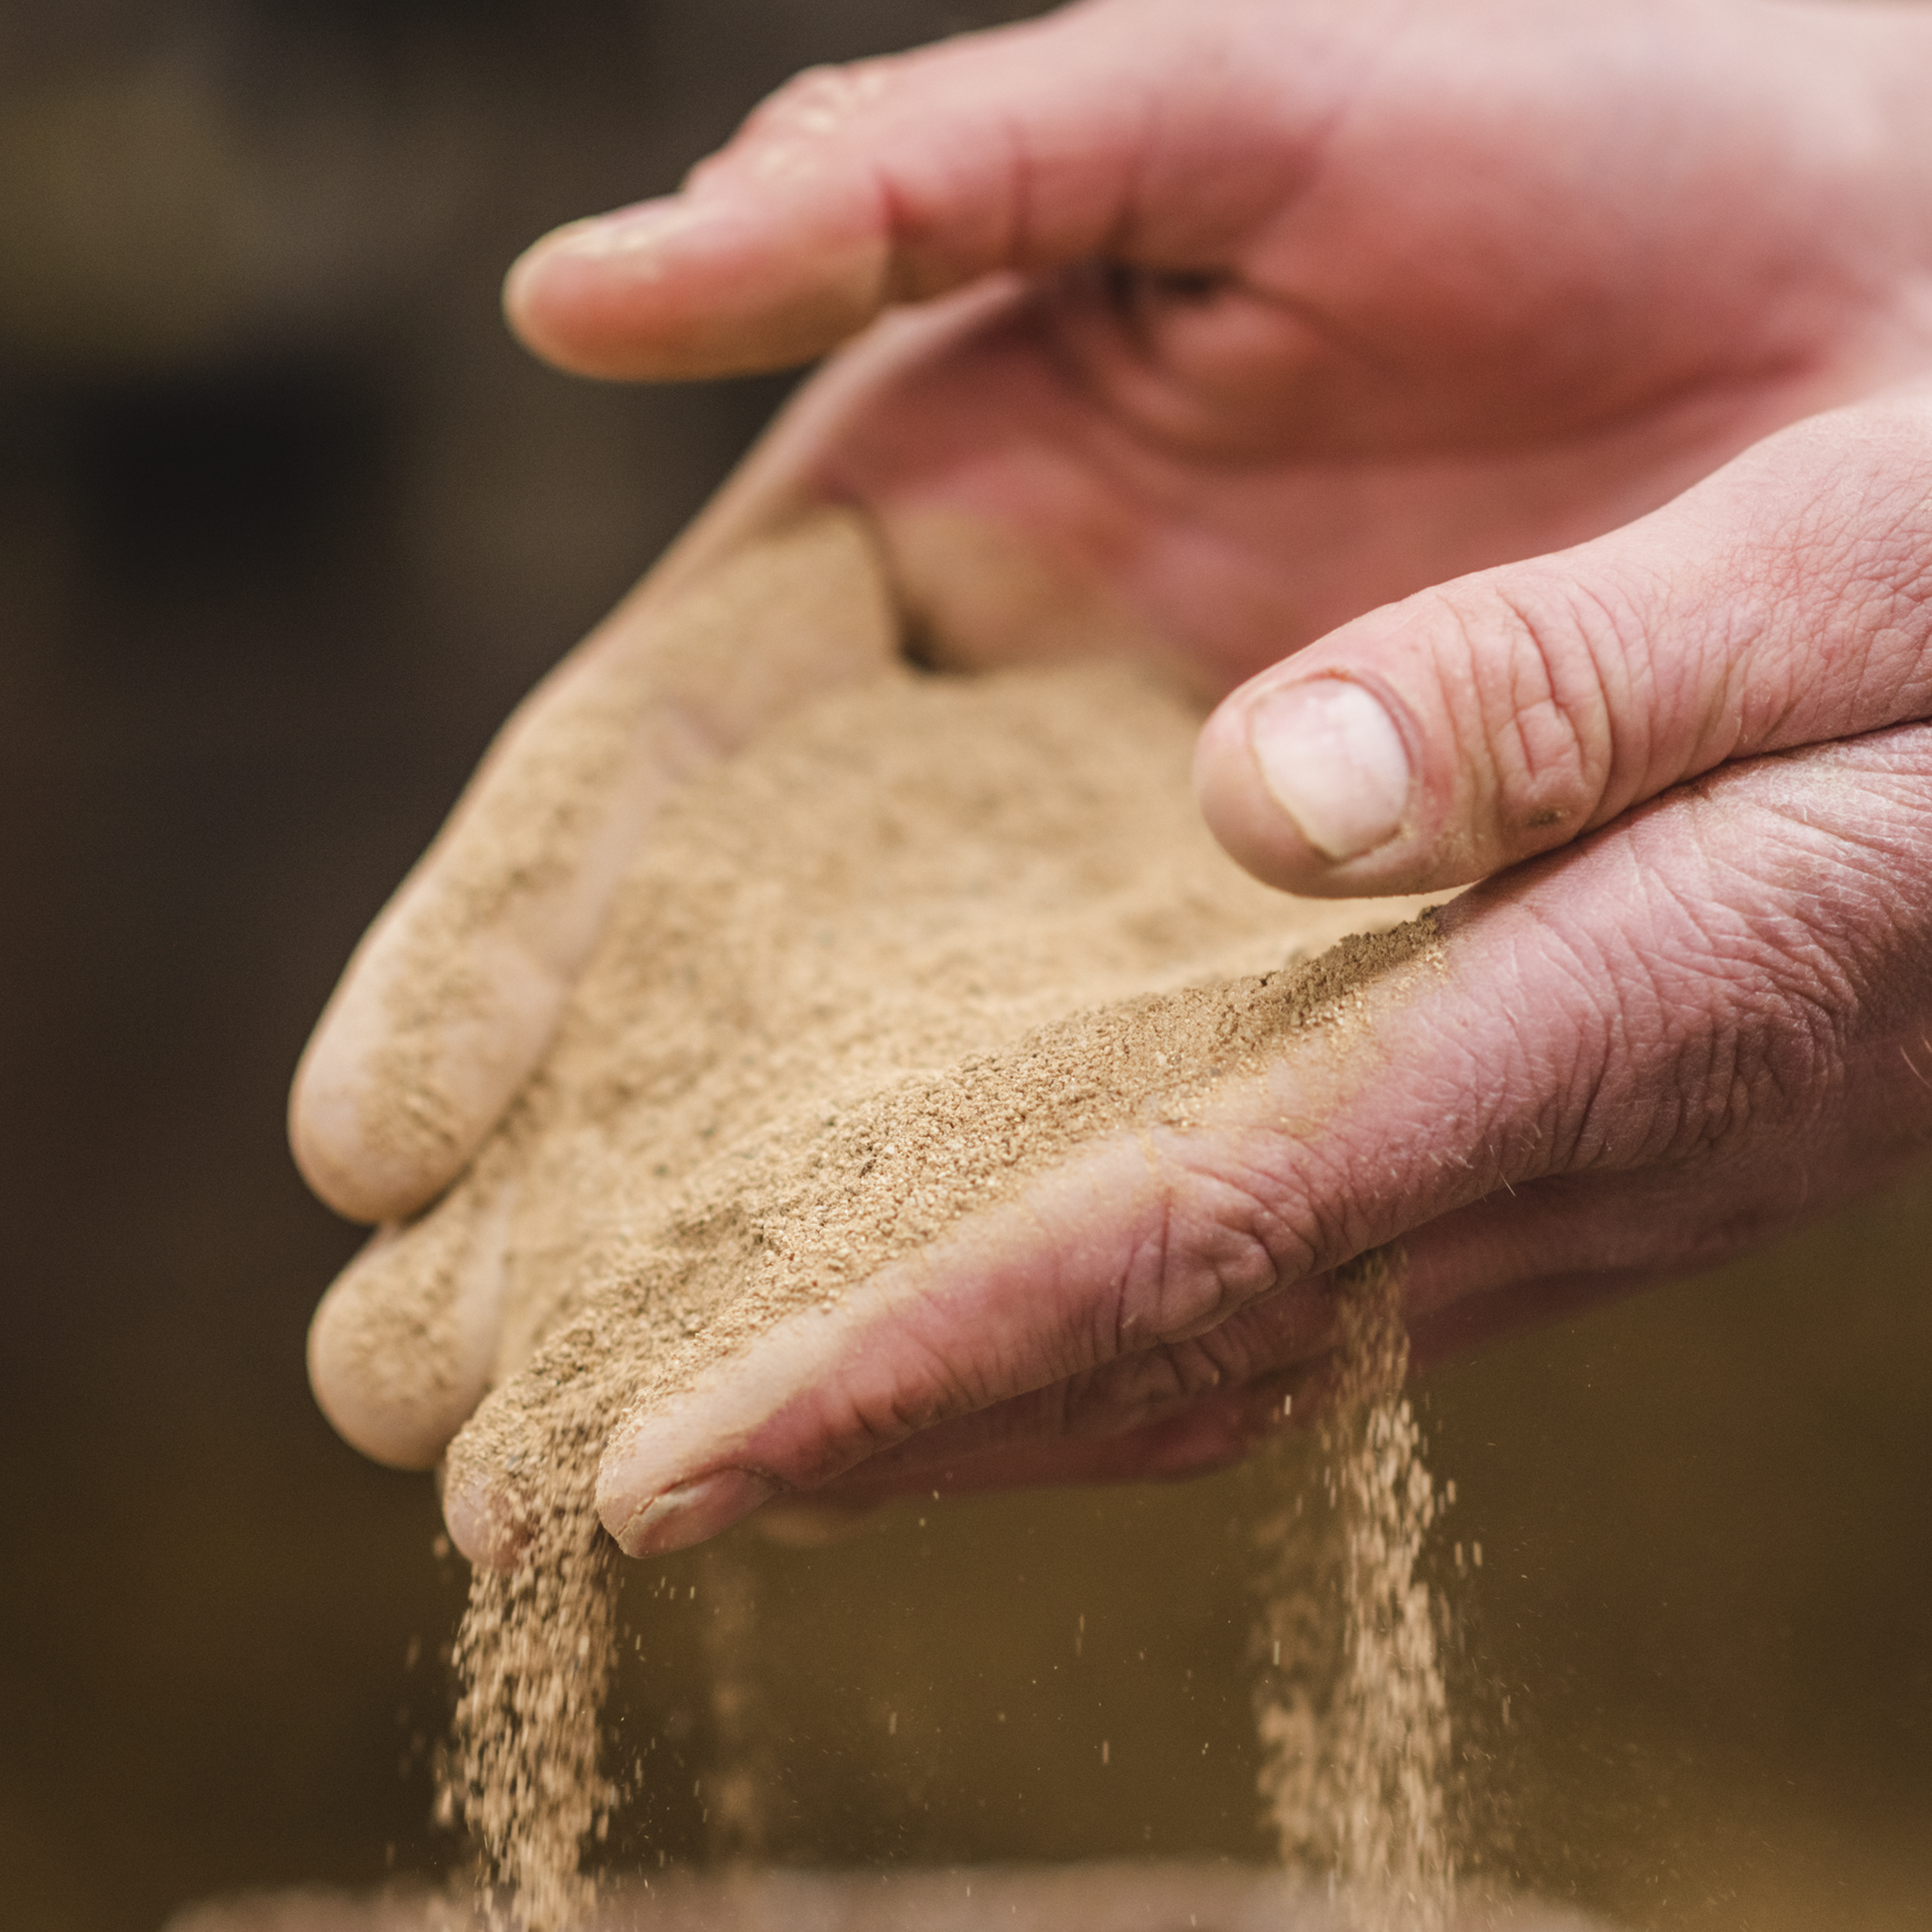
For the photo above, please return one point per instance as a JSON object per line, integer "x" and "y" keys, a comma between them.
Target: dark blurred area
{"x": 287, "y": 524}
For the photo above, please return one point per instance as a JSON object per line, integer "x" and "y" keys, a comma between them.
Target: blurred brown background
{"x": 286, "y": 525}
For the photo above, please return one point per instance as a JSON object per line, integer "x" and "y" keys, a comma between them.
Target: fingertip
{"x": 370, "y": 1162}
{"x": 524, "y": 288}
{"x": 428, "y": 1037}
{"x": 490, "y": 1534}
{"x": 849, "y": 188}
{"x": 559, "y": 295}
{"x": 338, "y": 1166}
{"x": 401, "y": 1346}
{"x": 737, "y": 278}
{"x": 402, "y": 1428}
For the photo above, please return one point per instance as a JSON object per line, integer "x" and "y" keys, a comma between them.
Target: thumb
{"x": 1784, "y": 601}
{"x": 898, "y": 178}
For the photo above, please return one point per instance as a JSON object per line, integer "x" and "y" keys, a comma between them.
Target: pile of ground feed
{"x": 921, "y": 939}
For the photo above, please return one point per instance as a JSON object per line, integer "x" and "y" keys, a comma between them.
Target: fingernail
{"x": 1332, "y": 760}
{"x": 629, "y": 230}
{"x": 694, "y": 1511}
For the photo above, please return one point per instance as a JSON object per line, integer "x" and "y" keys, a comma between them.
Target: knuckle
{"x": 1753, "y": 987}
{"x": 1214, "y": 1243}
{"x": 1726, "y": 1020}
{"x": 1151, "y": 1384}
{"x": 819, "y": 101}
{"x": 1530, "y": 686}
{"x": 1834, "y": 555}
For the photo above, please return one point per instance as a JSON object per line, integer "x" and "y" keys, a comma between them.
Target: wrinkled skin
{"x": 1521, "y": 399}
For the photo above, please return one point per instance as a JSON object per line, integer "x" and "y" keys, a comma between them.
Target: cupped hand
{"x": 1236, "y": 323}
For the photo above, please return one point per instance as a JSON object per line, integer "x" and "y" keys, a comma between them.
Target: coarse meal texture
{"x": 923, "y": 938}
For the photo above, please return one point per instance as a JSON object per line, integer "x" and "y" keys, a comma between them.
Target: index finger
{"x": 1143, "y": 131}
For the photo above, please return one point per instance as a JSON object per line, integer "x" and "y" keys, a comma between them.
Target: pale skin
{"x": 1509, "y": 412}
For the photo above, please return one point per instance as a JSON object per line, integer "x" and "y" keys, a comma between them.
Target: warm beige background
{"x": 285, "y": 525}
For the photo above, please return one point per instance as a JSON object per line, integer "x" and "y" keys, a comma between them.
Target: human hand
{"x": 947, "y": 507}
{"x": 1640, "y": 1052}
{"x": 1242, "y": 319}
{"x": 1632, "y": 1054}
{"x": 1260, "y": 316}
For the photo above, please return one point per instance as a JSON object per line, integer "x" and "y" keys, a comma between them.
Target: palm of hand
{"x": 1029, "y": 504}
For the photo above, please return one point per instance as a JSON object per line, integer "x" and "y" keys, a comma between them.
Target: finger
{"x": 1206, "y": 1433}
{"x": 1189, "y": 1408}
{"x": 1704, "y": 988}
{"x": 402, "y": 1346}
{"x": 894, "y": 180}
{"x": 1519, "y": 1258}
{"x": 1785, "y": 601}
{"x": 1163, "y": 1414}
{"x": 1150, "y": 1417}
{"x": 452, "y": 998}
{"x": 1079, "y": 1433}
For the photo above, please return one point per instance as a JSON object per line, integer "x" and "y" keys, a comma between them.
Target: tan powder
{"x": 924, "y": 938}
{"x": 1351, "y": 1705}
